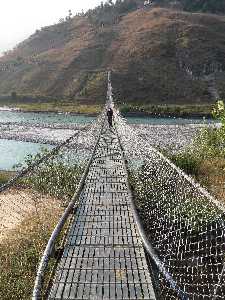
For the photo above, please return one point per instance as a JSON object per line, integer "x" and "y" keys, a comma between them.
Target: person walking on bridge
{"x": 110, "y": 116}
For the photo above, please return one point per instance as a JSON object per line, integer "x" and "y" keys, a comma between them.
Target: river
{"x": 14, "y": 152}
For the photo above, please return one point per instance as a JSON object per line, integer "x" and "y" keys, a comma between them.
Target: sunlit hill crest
{"x": 158, "y": 55}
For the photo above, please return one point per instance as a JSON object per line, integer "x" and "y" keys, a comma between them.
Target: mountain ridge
{"x": 158, "y": 55}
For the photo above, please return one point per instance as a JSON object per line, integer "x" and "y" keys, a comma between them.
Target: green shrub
{"x": 187, "y": 161}
{"x": 56, "y": 177}
{"x": 211, "y": 141}
{"x": 5, "y": 176}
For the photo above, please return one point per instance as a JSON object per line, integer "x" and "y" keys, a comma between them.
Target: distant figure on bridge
{"x": 110, "y": 116}
{"x": 148, "y": 2}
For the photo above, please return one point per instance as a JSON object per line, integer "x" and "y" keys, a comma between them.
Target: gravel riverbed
{"x": 38, "y": 133}
{"x": 167, "y": 137}
{"x": 172, "y": 138}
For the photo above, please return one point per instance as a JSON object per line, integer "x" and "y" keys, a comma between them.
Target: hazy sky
{"x": 20, "y": 18}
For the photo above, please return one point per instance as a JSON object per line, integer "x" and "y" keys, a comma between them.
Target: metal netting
{"x": 33, "y": 202}
{"x": 184, "y": 223}
{"x": 46, "y": 177}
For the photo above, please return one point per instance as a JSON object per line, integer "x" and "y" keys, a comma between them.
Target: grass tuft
{"x": 20, "y": 253}
{"x": 5, "y": 176}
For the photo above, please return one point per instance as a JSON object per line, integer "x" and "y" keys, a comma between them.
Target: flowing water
{"x": 14, "y": 152}
{"x": 62, "y": 118}
{"x": 43, "y": 118}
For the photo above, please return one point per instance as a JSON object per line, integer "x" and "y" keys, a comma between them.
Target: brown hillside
{"x": 157, "y": 56}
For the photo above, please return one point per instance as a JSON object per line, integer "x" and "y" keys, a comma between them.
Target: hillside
{"x": 211, "y": 6}
{"x": 158, "y": 55}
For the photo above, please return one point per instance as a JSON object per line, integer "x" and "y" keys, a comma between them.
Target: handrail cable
{"x": 50, "y": 246}
{"x": 146, "y": 243}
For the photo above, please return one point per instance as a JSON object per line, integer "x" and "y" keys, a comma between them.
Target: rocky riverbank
{"x": 166, "y": 137}
{"x": 171, "y": 138}
{"x": 52, "y": 134}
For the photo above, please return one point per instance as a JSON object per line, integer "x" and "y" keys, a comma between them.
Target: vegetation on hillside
{"x": 157, "y": 55}
{"x": 66, "y": 107}
{"x": 166, "y": 110}
{"x": 110, "y": 12}
{"x": 212, "y": 6}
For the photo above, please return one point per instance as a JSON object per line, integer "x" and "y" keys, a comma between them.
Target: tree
{"x": 70, "y": 14}
{"x": 212, "y": 6}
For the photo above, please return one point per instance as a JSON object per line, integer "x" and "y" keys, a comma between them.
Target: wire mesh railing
{"x": 31, "y": 204}
{"x": 184, "y": 223}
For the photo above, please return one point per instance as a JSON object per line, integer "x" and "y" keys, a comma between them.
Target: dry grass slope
{"x": 23, "y": 240}
{"x": 157, "y": 55}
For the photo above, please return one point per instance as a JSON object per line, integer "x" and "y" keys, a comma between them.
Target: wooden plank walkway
{"x": 103, "y": 257}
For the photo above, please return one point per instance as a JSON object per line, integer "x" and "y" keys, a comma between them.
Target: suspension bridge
{"x": 139, "y": 227}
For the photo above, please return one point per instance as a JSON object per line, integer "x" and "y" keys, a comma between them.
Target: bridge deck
{"x": 103, "y": 257}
